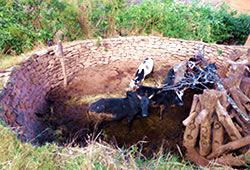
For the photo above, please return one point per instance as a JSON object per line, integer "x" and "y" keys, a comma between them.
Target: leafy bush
{"x": 25, "y": 22}
{"x": 196, "y": 22}
{"x": 14, "y": 27}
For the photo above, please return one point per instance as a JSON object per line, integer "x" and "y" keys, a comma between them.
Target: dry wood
{"x": 230, "y": 160}
{"x": 234, "y": 94}
{"x": 200, "y": 119}
{"x": 245, "y": 86}
{"x": 205, "y": 133}
{"x": 230, "y": 147}
{"x": 218, "y": 135}
{"x": 242, "y": 124}
{"x": 195, "y": 109}
{"x": 195, "y": 157}
{"x": 238, "y": 127}
{"x": 235, "y": 77}
{"x": 192, "y": 127}
{"x": 245, "y": 101}
{"x": 208, "y": 100}
{"x": 227, "y": 122}
{"x": 223, "y": 98}
{"x": 191, "y": 134}
{"x": 244, "y": 127}
{"x": 61, "y": 58}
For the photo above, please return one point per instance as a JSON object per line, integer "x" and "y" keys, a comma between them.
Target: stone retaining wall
{"x": 30, "y": 81}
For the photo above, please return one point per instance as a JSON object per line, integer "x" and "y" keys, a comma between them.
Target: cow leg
{"x": 130, "y": 119}
{"x": 96, "y": 127}
{"x": 129, "y": 125}
{"x": 162, "y": 108}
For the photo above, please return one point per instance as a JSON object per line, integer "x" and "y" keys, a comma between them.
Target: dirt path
{"x": 240, "y": 5}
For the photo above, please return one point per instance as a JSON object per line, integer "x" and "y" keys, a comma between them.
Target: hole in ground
{"x": 67, "y": 120}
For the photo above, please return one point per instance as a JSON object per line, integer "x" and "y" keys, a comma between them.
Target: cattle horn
{"x": 138, "y": 96}
{"x": 152, "y": 95}
{"x": 158, "y": 84}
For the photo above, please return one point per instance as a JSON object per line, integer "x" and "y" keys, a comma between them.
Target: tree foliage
{"x": 23, "y": 23}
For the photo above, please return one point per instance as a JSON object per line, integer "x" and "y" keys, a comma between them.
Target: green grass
{"x": 96, "y": 155}
{"x": 1, "y": 83}
{"x": 17, "y": 155}
{"x": 195, "y": 22}
{"x": 7, "y": 61}
{"x": 81, "y": 19}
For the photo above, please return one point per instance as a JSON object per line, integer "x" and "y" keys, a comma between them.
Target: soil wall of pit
{"x": 30, "y": 82}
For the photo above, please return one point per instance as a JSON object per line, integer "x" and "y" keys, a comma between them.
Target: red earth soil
{"x": 242, "y": 6}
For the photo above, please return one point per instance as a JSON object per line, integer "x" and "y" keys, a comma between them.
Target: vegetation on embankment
{"x": 26, "y": 23}
{"x": 96, "y": 155}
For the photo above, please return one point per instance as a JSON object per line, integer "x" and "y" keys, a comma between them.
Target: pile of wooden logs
{"x": 218, "y": 127}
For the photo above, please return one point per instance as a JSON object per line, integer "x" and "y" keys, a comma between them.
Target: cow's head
{"x": 169, "y": 80}
{"x": 144, "y": 103}
{"x": 139, "y": 103}
{"x": 97, "y": 107}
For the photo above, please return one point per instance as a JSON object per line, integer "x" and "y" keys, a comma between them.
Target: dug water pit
{"x": 35, "y": 104}
{"x": 69, "y": 119}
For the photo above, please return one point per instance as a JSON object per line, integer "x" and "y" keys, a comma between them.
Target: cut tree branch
{"x": 230, "y": 147}
{"x": 227, "y": 122}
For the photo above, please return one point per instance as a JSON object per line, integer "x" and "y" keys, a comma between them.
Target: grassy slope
{"x": 9, "y": 61}
{"x": 97, "y": 155}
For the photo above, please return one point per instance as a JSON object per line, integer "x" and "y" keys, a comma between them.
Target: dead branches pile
{"x": 218, "y": 127}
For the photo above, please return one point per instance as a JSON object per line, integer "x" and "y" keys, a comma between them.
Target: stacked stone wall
{"x": 29, "y": 82}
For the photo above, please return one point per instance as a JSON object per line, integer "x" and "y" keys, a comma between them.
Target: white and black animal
{"x": 145, "y": 68}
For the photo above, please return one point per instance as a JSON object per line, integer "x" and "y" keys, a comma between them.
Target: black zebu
{"x": 113, "y": 109}
{"x": 163, "y": 98}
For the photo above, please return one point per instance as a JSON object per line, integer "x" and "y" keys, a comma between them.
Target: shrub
{"x": 14, "y": 27}
{"x": 196, "y": 22}
{"x": 25, "y": 22}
